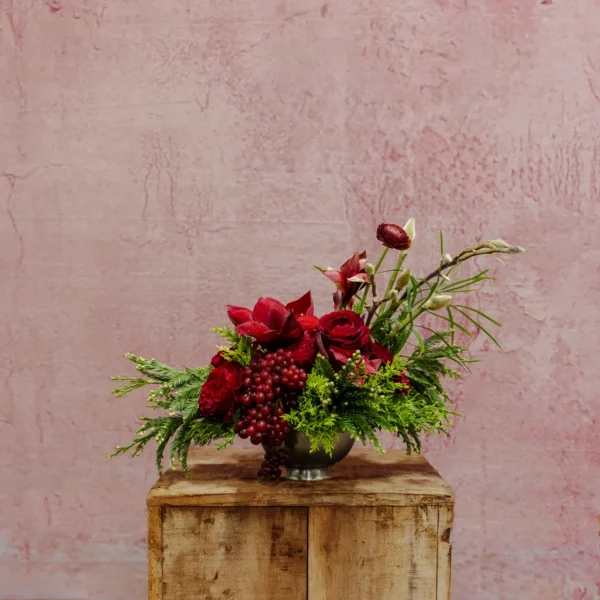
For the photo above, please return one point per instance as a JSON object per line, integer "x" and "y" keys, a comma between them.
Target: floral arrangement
{"x": 372, "y": 364}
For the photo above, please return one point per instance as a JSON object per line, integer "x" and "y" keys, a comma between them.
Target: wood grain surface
{"x": 228, "y": 478}
{"x": 380, "y": 553}
{"x": 234, "y": 553}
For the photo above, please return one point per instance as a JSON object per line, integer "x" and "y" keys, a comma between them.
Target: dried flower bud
{"x": 369, "y": 269}
{"x": 402, "y": 279}
{"x": 393, "y": 236}
{"x": 437, "y": 301}
{"x": 410, "y": 229}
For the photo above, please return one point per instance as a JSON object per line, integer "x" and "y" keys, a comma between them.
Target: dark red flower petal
{"x": 239, "y": 314}
{"x": 303, "y": 306}
{"x": 259, "y": 331}
{"x": 382, "y": 353}
{"x": 218, "y": 360}
{"x": 271, "y": 312}
{"x": 354, "y": 264}
{"x": 336, "y": 277}
{"x": 216, "y": 396}
{"x": 308, "y": 322}
{"x": 304, "y": 350}
{"x": 292, "y": 330}
{"x": 340, "y": 354}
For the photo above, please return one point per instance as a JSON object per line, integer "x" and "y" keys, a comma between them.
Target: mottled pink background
{"x": 159, "y": 159}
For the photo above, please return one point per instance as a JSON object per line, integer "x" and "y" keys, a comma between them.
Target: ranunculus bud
{"x": 369, "y": 269}
{"x": 410, "y": 229}
{"x": 393, "y": 236}
{"x": 402, "y": 279}
{"x": 437, "y": 301}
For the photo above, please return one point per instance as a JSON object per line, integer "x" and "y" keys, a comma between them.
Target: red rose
{"x": 340, "y": 334}
{"x": 218, "y": 392}
{"x": 393, "y": 236}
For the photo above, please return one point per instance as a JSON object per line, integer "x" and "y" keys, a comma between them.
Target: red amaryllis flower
{"x": 348, "y": 280}
{"x": 218, "y": 392}
{"x": 304, "y": 311}
{"x": 393, "y": 236}
{"x": 268, "y": 322}
{"x": 340, "y": 334}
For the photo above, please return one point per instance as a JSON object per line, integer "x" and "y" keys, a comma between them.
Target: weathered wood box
{"x": 379, "y": 530}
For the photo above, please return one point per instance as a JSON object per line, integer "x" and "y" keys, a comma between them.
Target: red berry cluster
{"x": 263, "y": 424}
{"x": 272, "y": 384}
{"x": 271, "y": 466}
{"x": 274, "y": 376}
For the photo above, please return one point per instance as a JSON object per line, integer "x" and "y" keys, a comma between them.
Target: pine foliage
{"x": 177, "y": 393}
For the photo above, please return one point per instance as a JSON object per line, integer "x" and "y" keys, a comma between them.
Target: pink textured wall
{"x": 159, "y": 159}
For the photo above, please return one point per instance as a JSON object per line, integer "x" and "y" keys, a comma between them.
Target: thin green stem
{"x": 363, "y": 300}
{"x": 381, "y": 259}
{"x": 394, "y": 274}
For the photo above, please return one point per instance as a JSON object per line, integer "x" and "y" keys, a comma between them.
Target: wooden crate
{"x": 379, "y": 530}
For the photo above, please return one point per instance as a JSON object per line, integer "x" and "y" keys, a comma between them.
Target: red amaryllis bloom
{"x": 268, "y": 322}
{"x": 393, "y": 236}
{"x": 348, "y": 280}
{"x": 304, "y": 311}
{"x": 340, "y": 334}
{"x": 218, "y": 392}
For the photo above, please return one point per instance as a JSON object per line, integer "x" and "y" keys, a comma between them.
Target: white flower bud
{"x": 437, "y": 301}
{"x": 403, "y": 279}
{"x": 446, "y": 259}
{"x": 410, "y": 229}
{"x": 502, "y": 246}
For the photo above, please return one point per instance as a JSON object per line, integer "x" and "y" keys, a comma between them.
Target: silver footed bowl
{"x": 305, "y": 465}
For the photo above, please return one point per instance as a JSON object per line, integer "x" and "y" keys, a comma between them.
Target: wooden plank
{"x": 228, "y": 478}
{"x": 385, "y": 553}
{"x": 234, "y": 553}
{"x": 155, "y": 553}
{"x": 446, "y": 517}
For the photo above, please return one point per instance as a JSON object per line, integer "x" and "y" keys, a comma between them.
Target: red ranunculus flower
{"x": 393, "y": 236}
{"x": 218, "y": 392}
{"x": 348, "y": 280}
{"x": 340, "y": 334}
{"x": 268, "y": 322}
